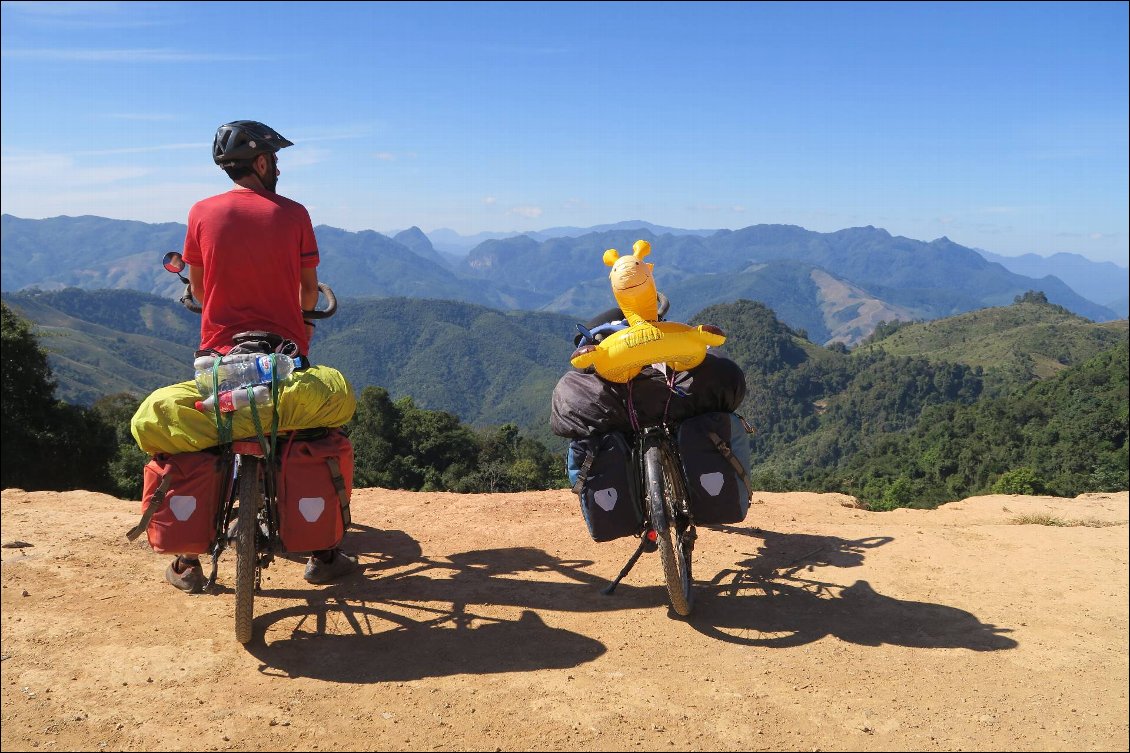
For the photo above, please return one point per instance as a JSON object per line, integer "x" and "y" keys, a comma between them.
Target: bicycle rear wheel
{"x": 665, "y": 495}
{"x": 246, "y": 558}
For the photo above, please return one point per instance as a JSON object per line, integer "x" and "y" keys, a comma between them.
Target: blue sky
{"x": 1003, "y": 126}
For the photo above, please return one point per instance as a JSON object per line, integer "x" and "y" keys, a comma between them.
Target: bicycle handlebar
{"x": 174, "y": 263}
{"x": 331, "y": 304}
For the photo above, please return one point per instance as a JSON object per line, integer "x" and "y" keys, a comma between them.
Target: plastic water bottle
{"x": 240, "y": 370}
{"x": 233, "y": 400}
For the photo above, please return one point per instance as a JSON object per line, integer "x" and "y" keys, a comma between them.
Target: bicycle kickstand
{"x": 211, "y": 582}
{"x": 607, "y": 591}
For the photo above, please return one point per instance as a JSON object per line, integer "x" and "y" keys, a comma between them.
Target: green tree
{"x": 509, "y": 462}
{"x": 1018, "y": 481}
{"x": 398, "y": 445}
{"x": 433, "y": 443}
{"x": 374, "y": 433}
{"x": 45, "y": 444}
{"x": 127, "y": 466}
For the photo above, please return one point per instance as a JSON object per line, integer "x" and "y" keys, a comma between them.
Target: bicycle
{"x": 249, "y": 499}
{"x": 664, "y": 506}
{"x": 668, "y": 522}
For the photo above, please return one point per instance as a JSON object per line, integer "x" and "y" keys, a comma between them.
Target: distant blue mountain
{"x": 1105, "y": 283}
{"x": 836, "y": 286}
{"x": 451, "y": 242}
{"x": 927, "y": 280}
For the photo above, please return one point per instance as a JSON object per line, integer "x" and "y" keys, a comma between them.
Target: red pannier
{"x": 180, "y": 499}
{"x": 315, "y": 482}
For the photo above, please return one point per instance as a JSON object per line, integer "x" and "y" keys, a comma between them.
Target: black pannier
{"x": 716, "y": 455}
{"x": 600, "y": 469}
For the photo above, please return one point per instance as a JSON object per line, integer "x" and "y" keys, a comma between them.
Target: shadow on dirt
{"x": 405, "y": 616}
{"x": 765, "y": 601}
{"x": 351, "y": 641}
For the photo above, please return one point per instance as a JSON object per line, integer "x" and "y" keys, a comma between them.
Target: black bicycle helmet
{"x": 241, "y": 140}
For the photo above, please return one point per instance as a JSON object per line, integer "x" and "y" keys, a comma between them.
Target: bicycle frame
{"x": 246, "y": 456}
{"x": 668, "y": 525}
{"x": 248, "y": 523}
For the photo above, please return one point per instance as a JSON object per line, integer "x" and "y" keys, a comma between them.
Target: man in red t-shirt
{"x": 253, "y": 264}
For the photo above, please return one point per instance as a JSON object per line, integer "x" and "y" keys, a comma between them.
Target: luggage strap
{"x": 724, "y": 449}
{"x": 155, "y": 502}
{"x": 583, "y": 473}
{"x": 342, "y": 494}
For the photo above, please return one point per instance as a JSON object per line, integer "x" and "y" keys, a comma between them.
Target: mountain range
{"x": 451, "y": 242}
{"x": 1102, "y": 282}
{"x": 491, "y": 367}
{"x": 835, "y": 287}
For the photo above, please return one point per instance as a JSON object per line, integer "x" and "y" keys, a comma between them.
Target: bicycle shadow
{"x": 405, "y": 616}
{"x": 764, "y": 602}
{"x": 494, "y": 576}
{"x": 381, "y": 644}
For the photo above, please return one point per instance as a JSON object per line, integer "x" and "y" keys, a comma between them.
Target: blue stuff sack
{"x": 600, "y": 469}
{"x": 716, "y": 456}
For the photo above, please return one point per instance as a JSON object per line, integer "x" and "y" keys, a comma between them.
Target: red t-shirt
{"x": 252, "y": 247}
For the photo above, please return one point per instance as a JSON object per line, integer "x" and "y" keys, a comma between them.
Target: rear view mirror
{"x": 173, "y": 262}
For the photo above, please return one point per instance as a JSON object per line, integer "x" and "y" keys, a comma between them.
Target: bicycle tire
{"x": 246, "y": 558}
{"x": 665, "y": 488}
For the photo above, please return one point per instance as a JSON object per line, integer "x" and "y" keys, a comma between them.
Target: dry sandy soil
{"x": 477, "y": 623}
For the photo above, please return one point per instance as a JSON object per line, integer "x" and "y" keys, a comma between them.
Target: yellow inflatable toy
{"x": 622, "y": 355}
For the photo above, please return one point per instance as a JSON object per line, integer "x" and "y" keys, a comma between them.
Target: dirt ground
{"x": 477, "y": 623}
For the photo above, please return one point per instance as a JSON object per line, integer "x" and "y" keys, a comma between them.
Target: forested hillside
{"x": 898, "y": 430}
{"x": 863, "y": 421}
{"x": 1031, "y": 339}
{"x": 1062, "y": 436}
{"x": 51, "y": 444}
{"x": 488, "y": 367}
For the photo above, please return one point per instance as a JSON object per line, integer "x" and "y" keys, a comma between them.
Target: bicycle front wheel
{"x": 665, "y": 495}
{"x": 246, "y": 558}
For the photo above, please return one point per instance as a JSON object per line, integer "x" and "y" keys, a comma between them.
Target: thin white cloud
{"x": 46, "y": 184}
{"x": 140, "y": 149}
{"x": 529, "y": 212}
{"x": 1076, "y": 235}
{"x": 140, "y": 56}
{"x": 21, "y": 172}
{"x": 393, "y": 156}
{"x": 300, "y": 156}
{"x": 710, "y": 208}
{"x": 490, "y": 201}
{"x": 152, "y": 117}
{"x": 144, "y": 202}
{"x": 340, "y": 134}
{"x": 999, "y": 210}
{"x": 86, "y": 15}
